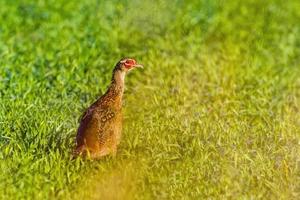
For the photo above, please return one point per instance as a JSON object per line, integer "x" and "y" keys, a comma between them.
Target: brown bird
{"x": 100, "y": 127}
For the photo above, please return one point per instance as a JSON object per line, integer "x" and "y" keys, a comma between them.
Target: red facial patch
{"x": 129, "y": 62}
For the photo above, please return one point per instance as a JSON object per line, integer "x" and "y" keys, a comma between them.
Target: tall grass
{"x": 214, "y": 114}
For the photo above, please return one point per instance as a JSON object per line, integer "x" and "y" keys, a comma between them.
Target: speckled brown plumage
{"x": 100, "y": 127}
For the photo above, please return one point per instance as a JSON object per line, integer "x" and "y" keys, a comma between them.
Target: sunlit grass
{"x": 214, "y": 113}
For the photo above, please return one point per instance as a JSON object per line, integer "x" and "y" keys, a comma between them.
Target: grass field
{"x": 213, "y": 115}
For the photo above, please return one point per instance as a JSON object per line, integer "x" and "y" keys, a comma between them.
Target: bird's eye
{"x": 130, "y": 61}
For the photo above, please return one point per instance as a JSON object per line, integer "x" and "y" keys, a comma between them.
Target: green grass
{"x": 214, "y": 114}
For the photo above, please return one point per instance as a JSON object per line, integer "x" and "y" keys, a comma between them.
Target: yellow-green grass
{"x": 214, "y": 114}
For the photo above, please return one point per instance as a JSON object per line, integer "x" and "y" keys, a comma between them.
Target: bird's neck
{"x": 118, "y": 78}
{"x": 116, "y": 89}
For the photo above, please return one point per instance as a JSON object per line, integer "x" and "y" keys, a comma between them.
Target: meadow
{"x": 214, "y": 114}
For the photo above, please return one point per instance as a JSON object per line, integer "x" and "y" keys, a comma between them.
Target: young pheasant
{"x": 100, "y": 127}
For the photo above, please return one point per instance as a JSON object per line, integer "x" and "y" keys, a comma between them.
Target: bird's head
{"x": 127, "y": 64}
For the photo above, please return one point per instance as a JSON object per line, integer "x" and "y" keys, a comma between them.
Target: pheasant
{"x": 100, "y": 127}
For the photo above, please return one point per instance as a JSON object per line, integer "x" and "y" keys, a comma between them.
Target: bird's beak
{"x": 138, "y": 65}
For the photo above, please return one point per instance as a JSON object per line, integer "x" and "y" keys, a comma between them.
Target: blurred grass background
{"x": 214, "y": 114}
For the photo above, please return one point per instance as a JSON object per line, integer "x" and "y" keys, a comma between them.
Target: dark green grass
{"x": 214, "y": 114}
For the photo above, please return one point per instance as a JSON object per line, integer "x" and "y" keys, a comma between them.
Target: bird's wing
{"x": 95, "y": 124}
{"x": 105, "y": 118}
{"x": 106, "y": 114}
{"x": 88, "y": 125}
